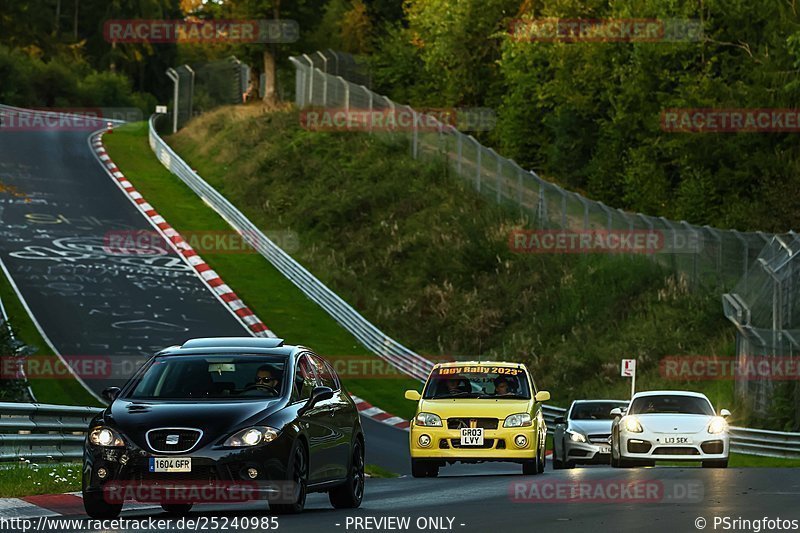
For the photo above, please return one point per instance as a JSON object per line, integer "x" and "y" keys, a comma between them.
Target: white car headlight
{"x": 632, "y": 424}
{"x": 518, "y": 420}
{"x": 252, "y": 436}
{"x": 576, "y": 437}
{"x": 428, "y": 420}
{"x": 717, "y": 425}
{"x": 105, "y": 436}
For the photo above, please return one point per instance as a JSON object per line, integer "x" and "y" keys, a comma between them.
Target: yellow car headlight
{"x": 632, "y": 424}
{"x": 518, "y": 420}
{"x": 717, "y": 425}
{"x": 428, "y": 420}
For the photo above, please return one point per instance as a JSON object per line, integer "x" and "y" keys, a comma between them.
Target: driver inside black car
{"x": 265, "y": 378}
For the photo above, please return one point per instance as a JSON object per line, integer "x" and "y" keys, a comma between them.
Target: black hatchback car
{"x": 219, "y": 418}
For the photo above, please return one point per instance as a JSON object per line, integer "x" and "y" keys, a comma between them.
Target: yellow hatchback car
{"x": 474, "y": 412}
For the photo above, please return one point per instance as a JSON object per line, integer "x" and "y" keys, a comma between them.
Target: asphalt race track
{"x": 477, "y": 501}
{"x": 59, "y": 212}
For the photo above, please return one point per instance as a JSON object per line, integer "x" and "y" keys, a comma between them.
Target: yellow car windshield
{"x": 482, "y": 382}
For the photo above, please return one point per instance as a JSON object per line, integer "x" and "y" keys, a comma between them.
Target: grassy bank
{"x": 271, "y": 296}
{"x": 28, "y": 479}
{"x": 427, "y": 260}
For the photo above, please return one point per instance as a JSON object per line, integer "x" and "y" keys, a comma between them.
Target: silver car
{"x": 583, "y": 437}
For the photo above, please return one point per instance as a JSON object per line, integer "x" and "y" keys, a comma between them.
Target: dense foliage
{"x": 588, "y": 114}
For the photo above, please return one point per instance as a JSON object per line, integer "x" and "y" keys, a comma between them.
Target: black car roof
{"x": 232, "y": 345}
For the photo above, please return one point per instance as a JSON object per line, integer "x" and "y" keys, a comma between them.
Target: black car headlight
{"x": 252, "y": 436}
{"x": 105, "y": 436}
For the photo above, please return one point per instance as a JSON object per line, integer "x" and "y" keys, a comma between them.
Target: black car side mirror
{"x": 111, "y": 393}
{"x": 560, "y": 420}
{"x": 319, "y": 394}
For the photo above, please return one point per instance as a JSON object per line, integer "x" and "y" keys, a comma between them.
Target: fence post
{"x": 173, "y": 75}
{"x": 415, "y": 134}
{"x": 499, "y": 175}
{"x": 335, "y": 58}
{"x": 346, "y": 94}
{"x": 459, "y": 141}
{"x": 542, "y": 207}
{"x": 324, "y": 79}
{"x": 478, "y": 174}
{"x": 370, "y": 98}
{"x": 310, "y": 100}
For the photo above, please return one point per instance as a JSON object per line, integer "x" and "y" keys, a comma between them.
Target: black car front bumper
{"x": 217, "y": 473}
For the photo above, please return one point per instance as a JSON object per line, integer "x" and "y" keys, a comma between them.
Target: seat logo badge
{"x": 172, "y": 439}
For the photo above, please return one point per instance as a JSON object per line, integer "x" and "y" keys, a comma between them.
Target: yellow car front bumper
{"x": 499, "y": 444}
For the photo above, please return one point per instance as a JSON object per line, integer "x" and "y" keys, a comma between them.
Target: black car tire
{"x": 177, "y": 509}
{"x": 424, "y": 468}
{"x": 717, "y": 463}
{"x": 298, "y": 474}
{"x": 350, "y": 494}
{"x": 96, "y": 507}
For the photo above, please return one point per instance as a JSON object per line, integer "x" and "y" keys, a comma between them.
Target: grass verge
{"x": 281, "y": 305}
{"x": 27, "y": 479}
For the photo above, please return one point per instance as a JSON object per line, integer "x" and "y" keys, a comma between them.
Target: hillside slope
{"x": 427, "y": 259}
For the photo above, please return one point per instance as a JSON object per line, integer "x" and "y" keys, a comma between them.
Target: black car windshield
{"x": 472, "y": 381}
{"x": 671, "y": 404}
{"x": 594, "y": 410}
{"x": 192, "y": 377}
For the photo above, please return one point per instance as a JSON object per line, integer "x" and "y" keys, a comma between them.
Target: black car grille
{"x": 675, "y": 450}
{"x": 163, "y": 440}
{"x": 485, "y": 423}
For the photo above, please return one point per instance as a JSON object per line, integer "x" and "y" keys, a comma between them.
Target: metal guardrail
{"x": 370, "y": 336}
{"x": 43, "y": 431}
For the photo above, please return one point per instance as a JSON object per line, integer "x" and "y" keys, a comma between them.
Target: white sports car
{"x": 669, "y": 426}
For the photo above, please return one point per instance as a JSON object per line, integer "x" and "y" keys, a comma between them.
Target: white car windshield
{"x": 671, "y": 404}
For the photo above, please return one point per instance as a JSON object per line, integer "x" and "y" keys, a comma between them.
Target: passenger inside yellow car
{"x": 502, "y": 387}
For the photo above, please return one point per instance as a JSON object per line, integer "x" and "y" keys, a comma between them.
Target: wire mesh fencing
{"x": 204, "y": 86}
{"x": 337, "y": 81}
